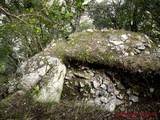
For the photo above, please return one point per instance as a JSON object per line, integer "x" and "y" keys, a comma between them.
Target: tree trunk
{"x": 75, "y": 25}
{"x": 134, "y": 26}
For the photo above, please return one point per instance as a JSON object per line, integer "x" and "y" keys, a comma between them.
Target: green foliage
{"x": 2, "y": 69}
{"x": 86, "y": 25}
{"x": 78, "y": 8}
{"x": 24, "y": 108}
{"x": 133, "y": 15}
{"x": 34, "y": 24}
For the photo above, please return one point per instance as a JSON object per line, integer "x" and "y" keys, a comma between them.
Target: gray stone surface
{"x": 117, "y": 42}
{"x": 134, "y": 98}
{"x": 43, "y": 73}
{"x": 124, "y": 37}
{"x": 102, "y": 91}
{"x": 151, "y": 90}
{"x": 96, "y": 84}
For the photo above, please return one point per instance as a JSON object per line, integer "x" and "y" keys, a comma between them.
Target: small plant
{"x": 2, "y": 69}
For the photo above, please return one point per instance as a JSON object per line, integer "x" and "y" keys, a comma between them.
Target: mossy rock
{"x": 93, "y": 47}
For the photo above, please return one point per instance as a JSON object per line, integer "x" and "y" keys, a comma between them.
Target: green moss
{"x": 58, "y": 91}
{"x": 92, "y": 47}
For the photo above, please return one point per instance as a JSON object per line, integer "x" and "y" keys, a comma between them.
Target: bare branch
{"x": 11, "y": 15}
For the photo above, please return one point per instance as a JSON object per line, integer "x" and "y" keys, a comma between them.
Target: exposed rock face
{"x": 45, "y": 74}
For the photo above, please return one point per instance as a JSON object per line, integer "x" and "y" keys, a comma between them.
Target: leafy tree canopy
{"x": 135, "y": 15}
{"x": 32, "y": 24}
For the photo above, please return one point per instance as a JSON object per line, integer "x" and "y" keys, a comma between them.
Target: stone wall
{"x": 97, "y": 87}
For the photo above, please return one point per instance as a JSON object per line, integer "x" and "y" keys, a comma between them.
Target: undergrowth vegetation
{"x": 22, "y": 108}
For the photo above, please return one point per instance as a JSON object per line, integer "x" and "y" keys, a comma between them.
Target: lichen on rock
{"x": 44, "y": 73}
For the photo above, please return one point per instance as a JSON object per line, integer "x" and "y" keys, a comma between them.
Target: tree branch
{"x": 11, "y": 15}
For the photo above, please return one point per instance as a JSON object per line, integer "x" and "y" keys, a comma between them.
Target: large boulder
{"x": 115, "y": 48}
{"x": 43, "y": 74}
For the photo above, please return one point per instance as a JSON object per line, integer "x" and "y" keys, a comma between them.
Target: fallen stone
{"x": 147, "y": 52}
{"x": 129, "y": 91}
{"x": 81, "y": 84}
{"x": 66, "y": 82}
{"x": 82, "y": 75}
{"x": 151, "y": 90}
{"x": 89, "y": 30}
{"x": 137, "y": 51}
{"x": 96, "y": 84}
{"x": 92, "y": 91}
{"x": 103, "y": 86}
{"x": 118, "y": 48}
{"x": 116, "y": 42}
{"x": 104, "y": 99}
{"x": 111, "y": 105}
{"x": 116, "y": 92}
{"x": 69, "y": 75}
{"x": 126, "y": 54}
{"x": 122, "y": 47}
{"x": 81, "y": 90}
{"x": 97, "y": 92}
{"x": 90, "y": 72}
{"x": 124, "y": 37}
{"x": 110, "y": 88}
{"x": 138, "y": 44}
{"x": 131, "y": 53}
{"x": 76, "y": 84}
{"x": 134, "y": 98}
{"x": 119, "y": 102}
{"x": 103, "y": 92}
{"x": 120, "y": 96}
{"x": 97, "y": 101}
{"x": 141, "y": 47}
{"x": 106, "y": 81}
